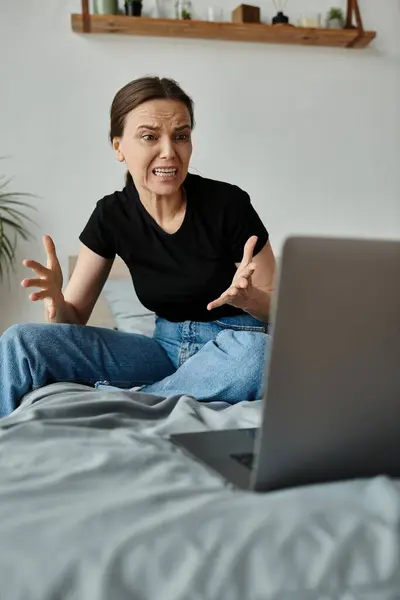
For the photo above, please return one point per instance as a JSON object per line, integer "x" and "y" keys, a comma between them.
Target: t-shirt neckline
{"x": 149, "y": 217}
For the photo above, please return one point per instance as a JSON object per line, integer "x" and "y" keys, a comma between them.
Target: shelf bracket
{"x": 353, "y": 7}
{"x": 86, "y": 16}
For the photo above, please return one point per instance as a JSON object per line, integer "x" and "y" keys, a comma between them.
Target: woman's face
{"x": 156, "y": 145}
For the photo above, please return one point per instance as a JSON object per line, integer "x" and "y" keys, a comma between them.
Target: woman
{"x": 199, "y": 257}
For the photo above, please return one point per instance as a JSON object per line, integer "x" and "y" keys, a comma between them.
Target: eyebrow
{"x": 153, "y": 128}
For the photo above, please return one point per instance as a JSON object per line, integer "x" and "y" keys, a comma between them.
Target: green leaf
{"x": 17, "y": 215}
{"x": 19, "y": 228}
{"x": 15, "y": 198}
{"x": 14, "y": 224}
{"x": 7, "y": 255}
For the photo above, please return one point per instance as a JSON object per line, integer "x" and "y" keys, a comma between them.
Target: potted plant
{"x": 335, "y": 18}
{"x": 14, "y": 224}
{"x": 183, "y": 10}
{"x": 133, "y": 8}
{"x": 105, "y": 7}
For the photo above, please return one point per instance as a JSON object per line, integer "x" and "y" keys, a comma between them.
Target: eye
{"x": 182, "y": 137}
{"x": 148, "y": 137}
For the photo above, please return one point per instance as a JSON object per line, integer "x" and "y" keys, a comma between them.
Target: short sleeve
{"x": 243, "y": 222}
{"x": 96, "y": 235}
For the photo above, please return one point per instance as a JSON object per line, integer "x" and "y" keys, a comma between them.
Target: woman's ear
{"x": 117, "y": 149}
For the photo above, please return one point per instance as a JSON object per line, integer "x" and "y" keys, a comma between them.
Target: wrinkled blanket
{"x": 97, "y": 504}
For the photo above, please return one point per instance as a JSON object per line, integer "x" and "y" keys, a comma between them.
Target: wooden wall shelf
{"x": 239, "y": 32}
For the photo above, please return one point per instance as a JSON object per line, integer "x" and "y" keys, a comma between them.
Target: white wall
{"x": 313, "y": 134}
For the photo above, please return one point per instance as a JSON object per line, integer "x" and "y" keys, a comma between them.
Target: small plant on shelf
{"x": 183, "y": 10}
{"x": 335, "y": 18}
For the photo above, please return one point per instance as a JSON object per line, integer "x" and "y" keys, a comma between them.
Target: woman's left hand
{"x": 239, "y": 292}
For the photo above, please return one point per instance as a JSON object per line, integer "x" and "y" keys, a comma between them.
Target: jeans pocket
{"x": 242, "y": 323}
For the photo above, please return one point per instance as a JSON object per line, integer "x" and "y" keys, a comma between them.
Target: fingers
{"x": 249, "y": 250}
{"x": 36, "y": 267}
{"x": 241, "y": 282}
{"x": 50, "y": 304}
{"x": 40, "y": 283}
{"x": 47, "y": 279}
{"x": 225, "y": 298}
{"x": 51, "y": 308}
{"x": 246, "y": 272}
{"x": 243, "y": 276}
{"x": 216, "y": 303}
{"x": 52, "y": 260}
{"x": 35, "y": 296}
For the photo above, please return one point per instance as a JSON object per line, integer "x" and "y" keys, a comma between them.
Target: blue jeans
{"x": 220, "y": 360}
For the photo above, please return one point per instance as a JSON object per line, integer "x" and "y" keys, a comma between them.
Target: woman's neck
{"x": 167, "y": 211}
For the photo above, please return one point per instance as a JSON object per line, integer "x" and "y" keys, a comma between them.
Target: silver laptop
{"x": 332, "y": 391}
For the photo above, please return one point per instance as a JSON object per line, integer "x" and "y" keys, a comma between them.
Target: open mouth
{"x": 165, "y": 173}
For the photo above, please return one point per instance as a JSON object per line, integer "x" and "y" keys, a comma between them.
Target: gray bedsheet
{"x": 97, "y": 504}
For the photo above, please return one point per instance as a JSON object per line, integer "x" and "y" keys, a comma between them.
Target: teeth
{"x": 162, "y": 172}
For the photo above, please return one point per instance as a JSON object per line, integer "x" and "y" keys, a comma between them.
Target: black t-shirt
{"x": 177, "y": 275}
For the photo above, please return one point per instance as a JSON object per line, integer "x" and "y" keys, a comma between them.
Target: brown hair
{"x": 139, "y": 91}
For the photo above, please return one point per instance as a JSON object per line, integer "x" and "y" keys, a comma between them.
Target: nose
{"x": 167, "y": 149}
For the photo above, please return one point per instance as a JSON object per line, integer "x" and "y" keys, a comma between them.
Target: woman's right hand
{"x": 50, "y": 279}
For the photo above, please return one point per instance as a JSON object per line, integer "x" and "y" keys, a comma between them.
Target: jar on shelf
{"x": 183, "y": 9}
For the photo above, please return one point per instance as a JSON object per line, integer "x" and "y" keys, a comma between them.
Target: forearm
{"x": 259, "y": 304}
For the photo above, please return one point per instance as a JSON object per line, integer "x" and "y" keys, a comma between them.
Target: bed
{"x": 96, "y": 503}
